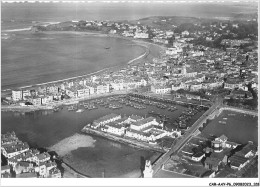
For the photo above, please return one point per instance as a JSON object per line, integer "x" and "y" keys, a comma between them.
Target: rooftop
{"x": 144, "y": 121}
{"x": 106, "y": 117}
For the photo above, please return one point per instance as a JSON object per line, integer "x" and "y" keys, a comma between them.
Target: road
{"x": 175, "y": 147}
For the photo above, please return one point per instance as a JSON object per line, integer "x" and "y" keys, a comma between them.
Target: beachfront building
{"x": 141, "y": 124}
{"x": 82, "y": 92}
{"x": 46, "y": 99}
{"x": 102, "y": 88}
{"x": 160, "y": 89}
{"x": 26, "y": 93}
{"x": 105, "y": 120}
{"x": 37, "y": 101}
{"x": 91, "y": 89}
{"x": 17, "y": 95}
{"x": 53, "y": 89}
{"x": 117, "y": 86}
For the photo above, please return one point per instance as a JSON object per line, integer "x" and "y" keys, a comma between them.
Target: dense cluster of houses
{"x": 220, "y": 152}
{"x": 183, "y": 65}
{"x": 134, "y": 126}
{"x": 25, "y": 162}
{"x": 85, "y": 87}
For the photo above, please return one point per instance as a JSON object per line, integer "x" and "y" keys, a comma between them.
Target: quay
{"x": 133, "y": 143}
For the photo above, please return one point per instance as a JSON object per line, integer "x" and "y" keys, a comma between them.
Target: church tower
{"x": 148, "y": 171}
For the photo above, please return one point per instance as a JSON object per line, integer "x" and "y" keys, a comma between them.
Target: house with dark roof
{"x": 237, "y": 161}
{"x": 5, "y": 171}
{"x": 187, "y": 150}
{"x": 43, "y": 157}
{"x": 212, "y": 163}
{"x": 54, "y": 173}
{"x": 249, "y": 150}
{"x": 23, "y": 167}
{"x": 209, "y": 174}
{"x": 14, "y": 150}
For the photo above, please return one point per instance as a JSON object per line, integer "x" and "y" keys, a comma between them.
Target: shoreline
{"x": 96, "y": 34}
{"x": 51, "y": 106}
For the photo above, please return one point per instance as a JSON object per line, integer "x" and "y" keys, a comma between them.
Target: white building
{"x": 158, "y": 89}
{"x": 102, "y": 89}
{"x": 115, "y": 129}
{"x": 40, "y": 158}
{"x": 105, "y": 120}
{"x": 198, "y": 156}
{"x": 185, "y": 33}
{"x": 17, "y": 95}
{"x": 26, "y": 93}
{"x": 141, "y": 35}
{"x": 141, "y": 124}
{"x": 117, "y": 86}
{"x": 12, "y": 150}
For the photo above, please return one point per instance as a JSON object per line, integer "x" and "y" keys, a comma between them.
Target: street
{"x": 175, "y": 148}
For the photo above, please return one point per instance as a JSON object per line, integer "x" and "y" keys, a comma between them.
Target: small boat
{"x": 222, "y": 122}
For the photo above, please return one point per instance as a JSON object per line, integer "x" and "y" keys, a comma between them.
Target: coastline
{"x": 50, "y": 106}
{"x": 96, "y": 34}
{"x": 8, "y": 108}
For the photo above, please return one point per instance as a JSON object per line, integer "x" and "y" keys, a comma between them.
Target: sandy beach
{"x": 71, "y": 143}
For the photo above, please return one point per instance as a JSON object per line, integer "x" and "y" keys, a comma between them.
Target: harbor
{"x": 64, "y": 123}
